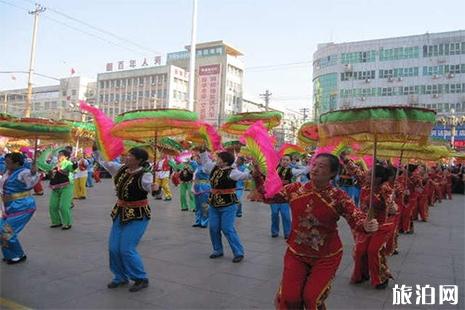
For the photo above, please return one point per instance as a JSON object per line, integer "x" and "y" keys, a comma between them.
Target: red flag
{"x": 73, "y": 71}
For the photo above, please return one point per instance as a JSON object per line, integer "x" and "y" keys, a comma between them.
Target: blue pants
{"x": 222, "y": 220}
{"x": 283, "y": 209}
{"x": 90, "y": 182}
{"x": 125, "y": 262}
{"x": 10, "y": 228}
{"x": 201, "y": 209}
{"x": 239, "y": 194}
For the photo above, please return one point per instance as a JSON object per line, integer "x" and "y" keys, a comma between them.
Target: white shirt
{"x": 79, "y": 173}
{"x": 235, "y": 174}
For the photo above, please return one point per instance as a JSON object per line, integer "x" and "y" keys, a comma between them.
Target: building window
{"x": 102, "y": 84}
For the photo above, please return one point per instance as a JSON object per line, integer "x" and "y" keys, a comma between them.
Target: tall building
{"x": 218, "y": 79}
{"x": 421, "y": 70}
{"x": 58, "y": 101}
{"x": 163, "y": 86}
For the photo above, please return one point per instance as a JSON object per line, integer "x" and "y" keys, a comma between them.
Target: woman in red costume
{"x": 370, "y": 248}
{"x": 314, "y": 248}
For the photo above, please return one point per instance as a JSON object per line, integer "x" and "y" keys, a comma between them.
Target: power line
{"x": 106, "y": 32}
{"x": 79, "y": 30}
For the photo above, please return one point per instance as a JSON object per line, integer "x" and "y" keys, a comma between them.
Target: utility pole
{"x": 266, "y": 96}
{"x": 38, "y": 9}
{"x": 304, "y": 112}
{"x": 190, "y": 105}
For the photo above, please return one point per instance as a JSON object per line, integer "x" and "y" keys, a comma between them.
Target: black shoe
{"x": 383, "y": 285}
{"x": 274, "y": 236}
{"x": 286, "y": 237}
{"x": 184, "y": 210}
{"x": 113, "y": 284}
{"x": 216, "y": 255}
{"x": 38, "y": 194}
{"x": 168, "y": 199}
{"x": 196, "y": 225}
{"x": 238, "y": 215}
{"x": 158, "y": 198}
{"x": 16, "y": 260}
{"x": 395, "y": 252}
{"x": 138, "y": 285}
{"x": 56, "y": 225}
{"x": 66, "y": 227}
{"x": 202, "y": 226}
{"x": 238, "y": 259}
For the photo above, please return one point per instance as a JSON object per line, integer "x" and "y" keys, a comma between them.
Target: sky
{"x": 270, "y": 33}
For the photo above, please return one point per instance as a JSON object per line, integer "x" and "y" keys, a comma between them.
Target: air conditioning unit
{"x": 390, "y": 79}
{"x": 153, "y": 84}
{"x": 367, "y": 80}
{"x": 363, "y": 98}
{"x": 399, "y": 79}
{"x": 450, "y": 75}
{"x": 435, "y": 95}
{"x": 435, "y": 76}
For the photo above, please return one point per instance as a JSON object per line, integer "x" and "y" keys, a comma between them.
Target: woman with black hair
{"x": 370, "y": 249}
{"x": 314, "y": 248}
{"x": 19, "y": 205}
{"x": 223, "y": 202}
{"x": 62, "y": 185}
{"x": 131, "y": 214}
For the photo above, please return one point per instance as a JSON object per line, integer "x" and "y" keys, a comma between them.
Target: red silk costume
{"x": 314, "y": 247}
{"x": 370, "y": 248}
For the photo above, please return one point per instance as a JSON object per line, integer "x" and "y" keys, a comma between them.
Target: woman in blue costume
{"x": 201, "y": 189}
{"x": 19, "y": 205}
{"x": 131, "y": 215}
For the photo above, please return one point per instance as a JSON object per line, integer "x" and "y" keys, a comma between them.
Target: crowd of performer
{"x": 316, "y": 193}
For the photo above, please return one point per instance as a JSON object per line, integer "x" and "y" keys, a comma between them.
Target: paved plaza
{"x": 69, "y": 269}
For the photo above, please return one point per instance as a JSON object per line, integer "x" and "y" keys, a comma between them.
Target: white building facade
{"x": 143, "y": 88}
{"x": 218, "y": 79}
{"x": 58, "y": 101}
{"x": 422, "y": 70}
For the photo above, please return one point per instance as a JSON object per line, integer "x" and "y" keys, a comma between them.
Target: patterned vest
{"x": 219, "y": 179}
{"x": 129, "y": 189}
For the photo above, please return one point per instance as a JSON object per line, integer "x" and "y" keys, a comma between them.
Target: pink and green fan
{"x": 109, "y": 146}
{"x": 259, "y": 146}
{"x": 290, "y": 149}
{"x": 210, "y": 137}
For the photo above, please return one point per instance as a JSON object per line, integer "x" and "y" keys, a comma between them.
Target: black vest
{"x": 186, "y": 174}
{"x": 219, "y": 179}
{"x": 129, "y": 188}
{"x": 58, "y": 179}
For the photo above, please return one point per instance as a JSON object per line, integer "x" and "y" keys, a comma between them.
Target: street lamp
{"x": 453, "y": 124}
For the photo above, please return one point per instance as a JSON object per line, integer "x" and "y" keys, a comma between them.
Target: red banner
{"x": 208, "y": 93}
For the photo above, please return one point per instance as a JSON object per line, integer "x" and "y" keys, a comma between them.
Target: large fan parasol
{"x": 205, "y": 135}
{"x": 82, "y": 133}
{"x": 153, "y": 124}
{"x": 34, "y": 128}
{"x": 237, "y": 124}
{"x": 377, "y": 124}
{"x": 308, "y": 136}
{"x": 405, "y": 151}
